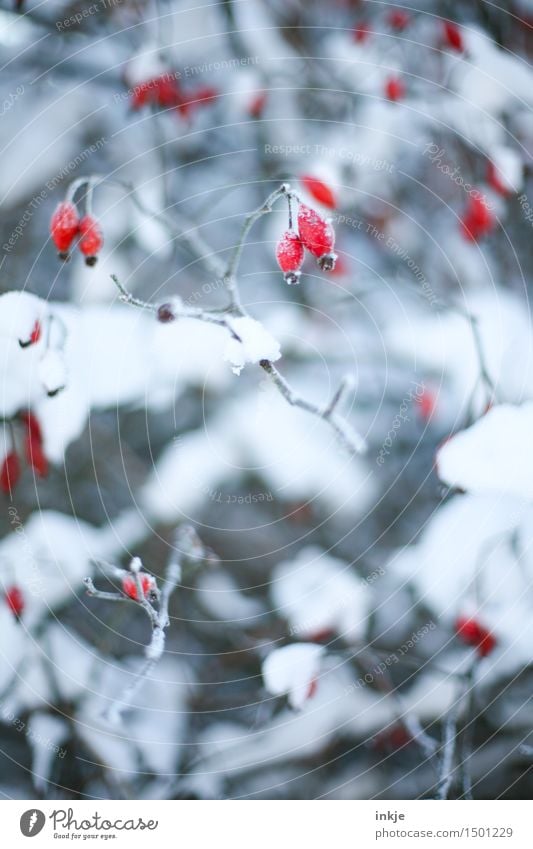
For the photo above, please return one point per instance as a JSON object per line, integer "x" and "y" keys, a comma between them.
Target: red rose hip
{"x": 64, "y": 227}
{"x": 318, "y": 236}
{"x": 91, "y": 239}
{"x": 290, "y": 255}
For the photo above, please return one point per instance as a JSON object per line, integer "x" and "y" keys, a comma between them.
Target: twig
{"x": 229, "y": 278}
{"x": 352, "y": 440}
{"x": 448, "y": 753}
{"x": 187, "y": 546}
{"x": 177, "y": 309}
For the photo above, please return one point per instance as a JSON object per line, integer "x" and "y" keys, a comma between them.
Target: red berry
{"x": 64, "y": 226}
{"x": 129, "y": 585}
{"x": 91, "y": 239}
{"x": 395, "y": 88}
{"x": 32, "y": 424}
{"x": 257, "y": 105}
{"x": 398, "y": 19}
{"x": 167, "y": 91}
{"x": 36, "y": 456}
{"x": 201, "y": 96}
{"x": 163, "y": 91}
{"x": 318, "y": 236}
{"x": 36, "y": 333}
{"x": 473, "y": 633}
{"x": 477, "y": 220}
{"x": 361, "y": 33}
{"x": 452, "y": 36}
{"x": 427, "y": 404}
{"x": 320, "y": 191}
{"x": 140, "y": 95}
{"x": 494, "y": 179}
{"x": 10, "y": 472}
{"x": 15, "y": 600}
{"x": 33, "y": 445}
{"x": 313, "y": 687}
{"x": 290, "y": 255}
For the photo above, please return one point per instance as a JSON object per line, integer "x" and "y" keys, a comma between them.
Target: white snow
{"x": 254, "y": 343}
{"x": 493, "y": 455}
{"x": 318, "y": 593}
{"x": 292, "y": 670}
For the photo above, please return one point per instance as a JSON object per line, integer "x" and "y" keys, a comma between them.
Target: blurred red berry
{"x": 257, "y": 105}
{"x": 495, "y": 180}
{"x": 452, "y": 36}
{"x": 318, "y": 236}
{"x": 91, "y": 239}
{"x": 398, "y": 19}
{"x": 395, "y": 88}
{"x": 10, "y": 472}
{"x": 129, "y": 585}
{"x": 319, "y": 190}
{"x": 64, "y": 227}
{"x": 15, "y": 600}
{"x": 478, "y": 220}
{"x": 473, "y": 633}
{"x": 313, "y": 687}
{"x": 163, "y": 91}
{"x": 427, "y": 404}
{"x": 33, "y": 445}
{"x": 361, "y": 33}
{"x": 290, "y": 255}
{"x": 36, "y": 333}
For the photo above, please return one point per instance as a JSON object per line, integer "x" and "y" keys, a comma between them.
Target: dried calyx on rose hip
{"x": 318, "y": 236}
{"x": 91, "y": 239}
{"x": 290, "y": 256}
{"x": 64, "y": 227}
{"x": 147, "y": 584}
{"x": 165, "y": 313}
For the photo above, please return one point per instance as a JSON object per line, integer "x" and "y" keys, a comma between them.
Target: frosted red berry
{"x": 474, "y": 634}
{"x": 9, "y": 472}
{"x": 318, "y": 236}
{"x": 290, "y": 255}
{"x": 64, "y": 227}
{"x": 320, "y": 191}
{"x": 15, "y": 600}
{"x": 91, "y": 239}
{"x": 129, "y": 585}
{"x": 395, "y": 89}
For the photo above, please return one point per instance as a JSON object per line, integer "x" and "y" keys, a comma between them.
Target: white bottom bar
{"x": 268, "y": 825}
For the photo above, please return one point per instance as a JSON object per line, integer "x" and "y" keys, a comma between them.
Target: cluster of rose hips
{"x": 10, "y": 470}
{"x": 165, "y": 92}
{"x": 66, "y": 226}
{"x": 315, "y": 234}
